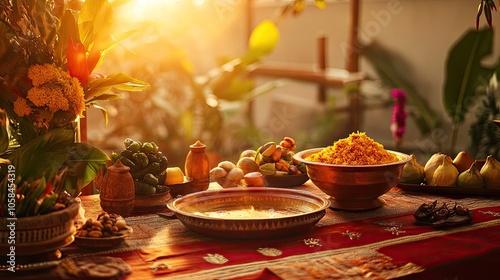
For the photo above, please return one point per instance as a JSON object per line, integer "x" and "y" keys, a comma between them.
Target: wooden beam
{"x": 329, "y": 77}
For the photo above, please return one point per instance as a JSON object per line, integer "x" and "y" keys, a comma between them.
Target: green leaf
{"x": 95, "y": 21}
{"x": 103, "y": 111}
{"x": 68, "y": 29}
{"x": 236, "y": 89}
{"x": 82, "y": 167}
{"x": 42, "y": 155}
{"x": 4, "y": 135}
{"x": 465, "y": 72}
{"x": 117, "y": 80}
{"x": 46, "y": 204}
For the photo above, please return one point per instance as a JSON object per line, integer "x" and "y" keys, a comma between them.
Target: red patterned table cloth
{"x": 379, "y": 244}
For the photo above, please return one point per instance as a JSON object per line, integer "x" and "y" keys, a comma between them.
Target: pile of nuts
{"x": 106, "y": 225}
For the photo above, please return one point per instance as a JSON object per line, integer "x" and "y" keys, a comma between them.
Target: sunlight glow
{"x": 198, "y": 3}
{"x": 147, "y": 9}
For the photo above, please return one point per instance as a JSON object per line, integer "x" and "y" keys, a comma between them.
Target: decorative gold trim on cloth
{"x": 270, "y": 252}
{"x": 215, "y": 259}
{"x": 229, "y": 272}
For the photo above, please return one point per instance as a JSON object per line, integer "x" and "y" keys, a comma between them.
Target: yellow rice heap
{"x": 357, "y": 149}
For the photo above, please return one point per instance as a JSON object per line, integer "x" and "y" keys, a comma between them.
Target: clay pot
{"x": 117, "y": 190}
{"x": 197, "y": 166}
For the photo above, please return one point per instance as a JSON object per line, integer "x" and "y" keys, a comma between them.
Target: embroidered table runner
{"x": 372, "y": 244}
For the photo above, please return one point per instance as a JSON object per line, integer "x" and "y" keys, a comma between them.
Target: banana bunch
{"x": 147, "y": 165}
{"x": 277, "y": 159}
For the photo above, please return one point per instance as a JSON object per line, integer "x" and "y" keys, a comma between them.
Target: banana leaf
{"x": 83, "y": 164}
{"x": 465, "y": 72}
{"x": 42, "y": 155}
{"x": 50, "y": 152}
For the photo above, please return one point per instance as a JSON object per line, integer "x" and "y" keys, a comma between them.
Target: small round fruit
{"x": 268, "y": 169}
{"x": 248, "y": 153}
{"x": 218, "y": 172}
{"x": 247, "y": 165}
{"x": 227, "y": 165}
{"x": 235, "y": 174}
{"x": 142, "y": 188}
{"x": 174, "y": 176}
{"x": 254, "y": 179}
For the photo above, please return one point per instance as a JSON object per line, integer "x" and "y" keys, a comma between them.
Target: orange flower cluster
{"x": 53, "y": 89}
{"x": 357, "y": 149}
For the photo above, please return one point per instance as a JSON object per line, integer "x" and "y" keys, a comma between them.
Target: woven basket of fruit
{"x": 39, "y": 234}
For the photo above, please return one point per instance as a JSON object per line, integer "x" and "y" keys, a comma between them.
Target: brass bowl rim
{"x": 187, "y": 180}
{"x": 325, "y": 203}
{"x": 404, "y": 158}
{"x": 154, "y": 195}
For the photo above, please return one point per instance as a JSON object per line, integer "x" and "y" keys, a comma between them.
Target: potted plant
{"x": 49, "y": 51}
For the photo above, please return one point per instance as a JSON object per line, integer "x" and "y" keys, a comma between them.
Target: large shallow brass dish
{"x": 354, "y": 187}
{"x": 249, "y": 213}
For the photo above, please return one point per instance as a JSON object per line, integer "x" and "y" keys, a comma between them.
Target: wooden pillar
{"x": 352, "y": 65}
{"x": 322, "y": 65}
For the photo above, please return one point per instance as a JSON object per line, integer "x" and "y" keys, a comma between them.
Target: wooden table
{"x": 384, "y": 243}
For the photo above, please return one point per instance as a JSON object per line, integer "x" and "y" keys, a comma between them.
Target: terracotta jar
{"x": 198, "y": 166}
{"x": 117, "y": 190}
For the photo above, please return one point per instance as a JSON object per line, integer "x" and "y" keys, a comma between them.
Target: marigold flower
{"x": 21, "y": 107}
{"x": 76, "y": 96}
{"x": 41, "y": 74}
{"x": 54, "y": 89}
{"x": 50, "y": 96}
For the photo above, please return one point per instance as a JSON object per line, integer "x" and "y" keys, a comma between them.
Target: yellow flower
{"x": 41, "y": 74}
{"x": 21, "y": 107}
{"x": 76, "y": 97}
{"x": 54, "y": 89}
{"x": 50, "y": 96}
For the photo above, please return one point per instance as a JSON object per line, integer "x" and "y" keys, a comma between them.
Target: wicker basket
{"x": 40, "y": 234}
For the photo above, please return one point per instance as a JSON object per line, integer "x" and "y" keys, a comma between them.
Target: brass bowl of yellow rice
{"x": 354, "y": 171}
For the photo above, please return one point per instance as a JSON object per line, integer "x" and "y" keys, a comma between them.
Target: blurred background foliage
{"x": 185, "y": 103}
{"x": 196, "y": 94}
